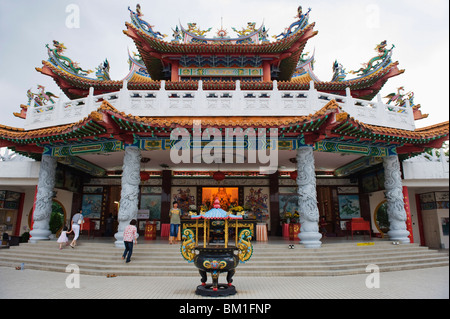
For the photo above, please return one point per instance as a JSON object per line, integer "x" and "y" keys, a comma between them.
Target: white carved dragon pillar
{"x": 43, "y": 207}
{"x": 130, "y": 191}
{"x": 395, "y": 204}
{"x": 307, "y": 199}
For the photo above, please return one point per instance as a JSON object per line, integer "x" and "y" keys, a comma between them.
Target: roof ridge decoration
{"x": 339, "y": 72}
{"x": 193, "y": 34}
{"x": 36, "y": 99}
{"x": 65, "y": 63}
{"x": 296, "y": 26}
{"x": 304, "y": 71}
{"x": 56, "y": 57}
{"x": 136, "y": 66}
{"x": 144, "y": 25}
{"x": 384, "y": 58}
{"x": 400, "y": 99}
{"x": 103, "y": 71}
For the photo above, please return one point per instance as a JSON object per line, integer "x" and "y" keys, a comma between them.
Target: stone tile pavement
{"x": 431, "y": 283}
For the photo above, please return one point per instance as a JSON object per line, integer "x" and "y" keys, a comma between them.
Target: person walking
{"x": 175, "y": 222}
{"x": 129, "y": 235}
{"x": 63, "y": 237}
{"x": 77, "y": 222}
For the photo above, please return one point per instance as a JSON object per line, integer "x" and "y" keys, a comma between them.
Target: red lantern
{"x": 219, "y": 176}
{"x": 145, "y": 176}
{"x": 293, "y": 175}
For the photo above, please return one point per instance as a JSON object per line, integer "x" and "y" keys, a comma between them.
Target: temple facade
{"x": 241, "y": 118}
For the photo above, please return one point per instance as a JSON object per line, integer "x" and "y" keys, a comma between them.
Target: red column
{"x": 266, "y": 71}
{"x": 419, "y": 220}
{"x": 19, "y": 215}
{"x": 174, "y": 75}
{"x": 408, "y": 213}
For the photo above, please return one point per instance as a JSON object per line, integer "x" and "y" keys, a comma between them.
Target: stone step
{"x": 161, "y": 259}
{"x": 287, "y": 260}
{"x": 104, "y": 249}
{"x": 175, "y": 257}
{"x": 126, "y": 270}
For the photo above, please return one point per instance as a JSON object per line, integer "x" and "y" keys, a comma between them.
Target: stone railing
{"x": 427, "y": 166}
{"x": 236, "y": 102}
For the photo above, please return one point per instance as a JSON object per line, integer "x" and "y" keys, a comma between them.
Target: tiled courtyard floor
{"x": 431, "y": 283}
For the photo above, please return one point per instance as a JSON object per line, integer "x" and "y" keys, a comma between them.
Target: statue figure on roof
{"x": 103, "y": 71}
{"x": 61, "y": 60}
{"x": 144, "y": 25}
{"x": 138, "y": 10}
{"x": 339, "y": 72}
{"x": 399, "y": 98}
{"x": 263, "y": 34}
{"x": 41, "y": 98}
{"x": 177, "y": 35}
{"x": 251, "y": 27}
{"x": 298, "y": 25}
{"x": 383, "y": 57}
{"x": 194, "y": 29}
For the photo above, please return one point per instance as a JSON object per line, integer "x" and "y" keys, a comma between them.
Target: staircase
{"x": 161, "y": 259}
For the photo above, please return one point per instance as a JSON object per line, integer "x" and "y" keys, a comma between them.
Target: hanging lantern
{"x": 144, "y": 176}
{"x": 293, "y": 175}
{"x": 219, "y": 176}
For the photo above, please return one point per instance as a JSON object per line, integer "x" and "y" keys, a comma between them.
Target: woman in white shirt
{"x": 77, "y": 221}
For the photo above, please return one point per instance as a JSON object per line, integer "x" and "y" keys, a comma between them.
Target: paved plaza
{"x": 430, "y": 283}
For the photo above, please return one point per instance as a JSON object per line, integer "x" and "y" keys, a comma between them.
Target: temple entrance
{"x": 326, "y": 214}
{"x": 228, "y": 196}
{"x": 111, "y": 216}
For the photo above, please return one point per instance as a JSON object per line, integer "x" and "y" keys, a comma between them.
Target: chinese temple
{"x": 254, "y": 125}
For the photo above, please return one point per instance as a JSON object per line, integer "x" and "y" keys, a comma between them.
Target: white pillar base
{"x": 399, "y": 235}
{"x": 310, "y": 239}
{"x": 39, "y": 235}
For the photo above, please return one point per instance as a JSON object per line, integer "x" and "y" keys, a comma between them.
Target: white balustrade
{"x": 236, "y": 102}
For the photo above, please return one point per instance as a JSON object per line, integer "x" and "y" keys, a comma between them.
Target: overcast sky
{"x": 349, "y": 30}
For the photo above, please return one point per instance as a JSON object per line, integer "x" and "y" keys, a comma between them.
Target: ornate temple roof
{"x": 191, "y": 45}
{"x": 330, "y": 122}
{"x": 365, "y": 85}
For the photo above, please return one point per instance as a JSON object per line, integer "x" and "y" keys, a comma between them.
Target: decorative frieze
{"x": 226, "y": 182}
